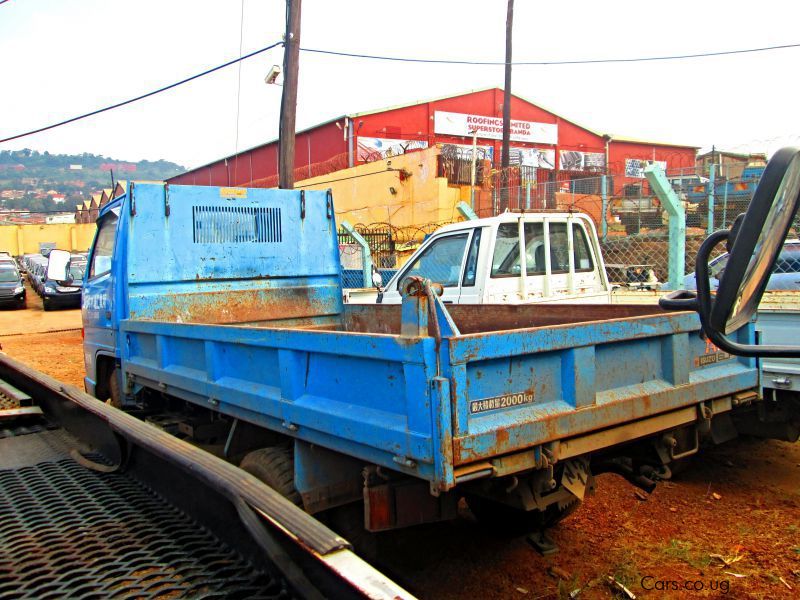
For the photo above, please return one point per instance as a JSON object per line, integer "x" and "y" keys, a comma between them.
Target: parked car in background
{"x": 64, "y": 293}
{"x": 513, "y": 258}
{"x": 12, "y": 289}
{"x": 785, "y": 275}
{"x": 36, "y": 273}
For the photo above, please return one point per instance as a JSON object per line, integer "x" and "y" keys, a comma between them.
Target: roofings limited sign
{"x": 448, "y": 123}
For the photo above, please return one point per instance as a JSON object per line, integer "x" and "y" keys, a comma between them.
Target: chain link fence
{"x": 389, "y": 247}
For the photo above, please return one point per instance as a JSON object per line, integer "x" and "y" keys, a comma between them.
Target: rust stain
{"x": 501, "y": 438}
{"x": 240, "y": 306}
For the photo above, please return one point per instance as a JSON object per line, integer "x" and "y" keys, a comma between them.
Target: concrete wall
{"x": 408, "y": 195}
{"x": 24, "y": 239}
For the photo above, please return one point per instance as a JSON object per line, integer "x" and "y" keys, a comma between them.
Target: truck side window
{"x": 534, "y": 248}
{"x": 505, "y": 262}
{"x": 104, "y": 246}
{"x": 441, "y": 261}
{"x": 559, "y": 252}
{"x": 583, "y": 256}
{"x": 471, "y": 269}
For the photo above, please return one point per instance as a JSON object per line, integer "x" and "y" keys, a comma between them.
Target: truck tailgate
{"x": 517, "y": 389}
{"x": 778, "y": 327}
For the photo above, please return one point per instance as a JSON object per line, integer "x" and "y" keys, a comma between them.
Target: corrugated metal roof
{"x": 611, "y": 137}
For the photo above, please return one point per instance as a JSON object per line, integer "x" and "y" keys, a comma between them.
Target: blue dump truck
{"x": 217, "y": 314}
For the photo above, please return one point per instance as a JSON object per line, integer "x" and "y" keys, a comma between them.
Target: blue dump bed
{"x": 234, "y": 303}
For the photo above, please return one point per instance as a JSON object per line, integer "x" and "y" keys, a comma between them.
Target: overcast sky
{"x": 61, "y": 58}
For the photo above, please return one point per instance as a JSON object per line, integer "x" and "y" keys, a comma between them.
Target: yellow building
{"x": 402, "y": 191}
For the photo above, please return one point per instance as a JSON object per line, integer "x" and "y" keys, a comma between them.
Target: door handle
{"x": 447, "y": 301}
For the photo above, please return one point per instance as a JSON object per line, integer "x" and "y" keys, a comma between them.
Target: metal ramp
{"x": 70, "y": 532}
{"x": 15, "y": 403}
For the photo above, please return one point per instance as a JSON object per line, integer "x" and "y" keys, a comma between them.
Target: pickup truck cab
{"x": 514, "y": 258}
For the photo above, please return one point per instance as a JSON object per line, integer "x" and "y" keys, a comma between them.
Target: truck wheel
{"x": 114, "y": 393}
{"x": 274, "y": 466}
{"x": 46, "y": 305}
{"x": 516, "y": 521}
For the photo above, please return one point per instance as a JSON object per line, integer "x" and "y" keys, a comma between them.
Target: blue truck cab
{"x": 217, "y": 313}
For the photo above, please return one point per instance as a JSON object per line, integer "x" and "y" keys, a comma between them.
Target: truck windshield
{"x": 441, "y": 261}
{"x": 76, "y": 271}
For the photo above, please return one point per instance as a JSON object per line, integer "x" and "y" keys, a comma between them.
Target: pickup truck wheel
{"x": 46, "y": 305}
{"x": 114, "y": 393}
{"x": 515, "y": 521}
{"x": 275, "y": 467}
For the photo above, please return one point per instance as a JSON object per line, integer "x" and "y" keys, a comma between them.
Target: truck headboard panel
{"x": 232, "y": 255}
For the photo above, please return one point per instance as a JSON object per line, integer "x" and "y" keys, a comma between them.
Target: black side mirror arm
{"x": 701, "y": 303}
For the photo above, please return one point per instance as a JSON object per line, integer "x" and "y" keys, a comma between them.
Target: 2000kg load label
{"x": 508, "y": 401}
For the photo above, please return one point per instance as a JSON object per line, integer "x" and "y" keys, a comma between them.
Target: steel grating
{"x": 66, "y": 531}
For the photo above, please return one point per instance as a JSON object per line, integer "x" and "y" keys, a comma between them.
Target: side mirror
{"x": 58, "y": 265}
{"x": 754, "y": 243}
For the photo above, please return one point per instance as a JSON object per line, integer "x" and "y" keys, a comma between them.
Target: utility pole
{"x": 291, "y": 60}
{"x": 506, "y": 158}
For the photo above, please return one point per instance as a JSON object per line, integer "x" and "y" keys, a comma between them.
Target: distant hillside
{"x": 30, "y": 180}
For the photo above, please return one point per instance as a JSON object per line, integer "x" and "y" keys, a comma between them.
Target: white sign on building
{"x": 371, "y": 149}
{"x": 461, "y": 124}
{"x": 534, "y": 157}
{"x": 634, "y": 167}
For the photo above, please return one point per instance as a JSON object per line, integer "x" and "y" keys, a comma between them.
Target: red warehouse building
{"x": 550, "y": 147}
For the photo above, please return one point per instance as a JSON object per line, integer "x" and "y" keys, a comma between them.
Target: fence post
{"x": 527, "y": 195}
{"x": 366, "y": 256}
{"x": 604, "y": 207}
{"x": 677, "y": 223}
{"x": 711, "y": 175}
{"x": 466, "y": 211}
{"x": 725, "y": 201}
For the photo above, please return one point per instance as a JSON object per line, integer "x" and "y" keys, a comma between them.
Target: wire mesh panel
{"x": 69, "y": 532}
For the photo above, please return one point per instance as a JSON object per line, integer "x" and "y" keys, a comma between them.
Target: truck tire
{"x": 274, "y": 466}
{"x": 46, "y": 306}
{"x": 114, "y": 393}
{"x": 515, "y": 521}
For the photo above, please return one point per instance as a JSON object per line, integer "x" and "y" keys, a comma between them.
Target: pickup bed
{"x": 405, "y": 408}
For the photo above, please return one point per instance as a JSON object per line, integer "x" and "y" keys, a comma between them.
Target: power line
{"x": 551, "y": 62}
{"x": 388, "y": 58}
{"x": 143, "y": 96}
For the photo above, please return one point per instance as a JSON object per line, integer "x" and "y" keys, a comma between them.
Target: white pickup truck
{"x": 513, "y": 258}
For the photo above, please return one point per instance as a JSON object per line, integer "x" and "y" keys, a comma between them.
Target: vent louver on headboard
{"x": 235, "y": 224}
